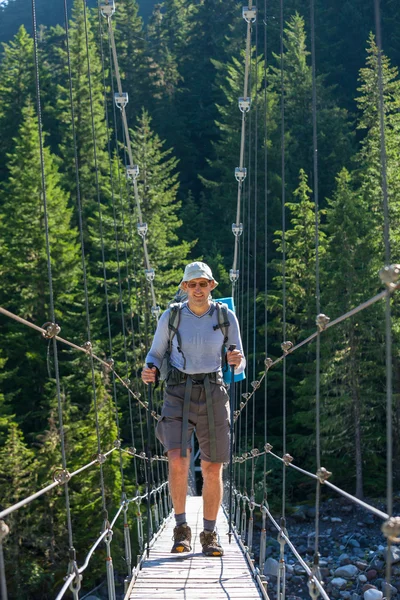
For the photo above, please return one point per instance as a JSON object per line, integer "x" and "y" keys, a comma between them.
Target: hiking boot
{"x": 182, "y": 539}
{"x": 210, "y": 542}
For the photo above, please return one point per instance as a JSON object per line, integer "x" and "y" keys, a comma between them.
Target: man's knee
{"x": 211, "y": 470}
{"x": 178, "y": 462}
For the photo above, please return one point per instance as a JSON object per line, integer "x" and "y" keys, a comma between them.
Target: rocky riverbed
{"x": 352, "y": 549}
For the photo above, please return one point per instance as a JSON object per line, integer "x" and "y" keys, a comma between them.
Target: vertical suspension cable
{"x": 317, "y": 294}
{"x": 265, "y": 241}
{"x": 89, "y": 74}
{"x": 49, "y": 268}
{"x": 100, "y": 29}
{"x": 249, "y": 14}
{"x": 388, "y": 319}
{"x": 283, "y": 250}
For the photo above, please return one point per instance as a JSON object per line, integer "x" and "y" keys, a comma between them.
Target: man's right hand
{"x": 149, "y": 375}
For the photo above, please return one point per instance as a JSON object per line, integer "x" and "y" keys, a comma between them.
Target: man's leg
{"x": 212, "y": 498}
{"x": 212, "y": 489}
{"x": 178, "y": 480}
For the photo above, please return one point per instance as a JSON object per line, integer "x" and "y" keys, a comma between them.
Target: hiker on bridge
{"x": 195, "y": 337}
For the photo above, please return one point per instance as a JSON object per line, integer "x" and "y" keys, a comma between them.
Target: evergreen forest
{"x": 183, "y": 68}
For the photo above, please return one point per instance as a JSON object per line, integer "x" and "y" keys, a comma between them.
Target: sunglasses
{"x": 202, "y": 284}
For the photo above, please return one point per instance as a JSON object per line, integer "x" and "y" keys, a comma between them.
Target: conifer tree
{"x": 17, "y": 84}
{"x": 83, "y": 114}
{"x": 334, "y": 137}
{"x": 24, "y": 288}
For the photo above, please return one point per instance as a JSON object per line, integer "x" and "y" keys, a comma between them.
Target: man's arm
{"x": 157, "y": 350}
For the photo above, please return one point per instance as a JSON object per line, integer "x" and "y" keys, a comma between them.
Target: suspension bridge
{"x": 154, "y": 572}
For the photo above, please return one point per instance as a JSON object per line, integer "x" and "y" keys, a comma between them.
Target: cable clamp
{"x": 268, "y": 362}
{"x": 242, "y": 404}
{"x": 323, "y": 475}
{"x": 322, "y": 322}
{"x": 142, "y": 229}
{"x": 286, "y": 347}
{"x": 255, "y": 452}
{"x": 75, "y": 584}
{"x": 244, "y": 104}
{"x": 155, "y": 415}
{"x": 88, "y": 348}
{"x": 233, "y": 275}
{"x": 121, "y": 100}
{"x": 391, "y": 530}
{"x": 131, "y": 451}
{"x": 249, "y": 14}
{"x": 100, "y": 458}
{"x": 142, "y": 455}
{"x": 109, "y": 365}
{"x": 132, "y": 172}
{"x": 107, "y": 8}
{"x": 155, "y": 311}
{"x": 61, "y": 476}
{"x": 255, "y": 385}
{"x": 117, "y": 444}
{"x": 287, "y": 459}
{"x": 390, "y": 276}
{"x": 52, "y": 330}
{"x": 236, "y": 414}
{"x": 127, "y": 382}
{"x": 240, "y": 174}
{"x": 4, "y": 531}
{"x": 150, "y": 274}
{"x": 268, "y": 447}
{"x": 237, "y": 230}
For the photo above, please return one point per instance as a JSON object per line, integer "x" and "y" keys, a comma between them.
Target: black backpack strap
{"x": 173, "y": 328}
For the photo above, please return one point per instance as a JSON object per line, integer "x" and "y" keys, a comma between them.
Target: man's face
{"x": 198, "y": 290}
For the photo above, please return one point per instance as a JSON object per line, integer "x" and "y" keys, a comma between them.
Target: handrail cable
{"x": 269, "y": 362}
{"x": 86, "y": 349}
{"x": 388, "y": 316}
{"x": 133, "y": 171}
{"x": 250, "y": 15}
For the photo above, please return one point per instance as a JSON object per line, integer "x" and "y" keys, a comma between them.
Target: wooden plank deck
{"x": 193, "y": 576}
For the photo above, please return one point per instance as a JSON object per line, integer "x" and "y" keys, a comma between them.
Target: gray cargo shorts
{"x": 169, "y": 428}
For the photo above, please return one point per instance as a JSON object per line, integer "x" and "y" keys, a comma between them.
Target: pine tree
{"x": 17, "y": 481}
{"x": 17, "y": 84}
{"x": 334, "y": 137}
{"x": 24, "y": 288}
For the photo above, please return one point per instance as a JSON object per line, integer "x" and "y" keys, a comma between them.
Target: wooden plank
{"x": 193, "y": 576}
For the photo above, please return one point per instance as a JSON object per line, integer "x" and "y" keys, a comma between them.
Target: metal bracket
{"x": 249, "y": 14}
{"x": 150, "y": 274}
{"x": 107, "y": 8}
{"x": 142, "y": 229}
{"x": 233, "y": 275}
{"x": 240, "y": 173}
{"x": 245, "y": 104}
{"x": 237, "y": 230}
{"x": 132, "y": 172}
{"x": 121, "y": 100}
{"x": 155, "y": 311}
{"x": 322, "y": 322}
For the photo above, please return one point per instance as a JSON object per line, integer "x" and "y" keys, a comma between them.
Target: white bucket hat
{"x": 197, "y": 270}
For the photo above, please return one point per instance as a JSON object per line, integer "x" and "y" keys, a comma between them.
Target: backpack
{"x": 173, "y": 330}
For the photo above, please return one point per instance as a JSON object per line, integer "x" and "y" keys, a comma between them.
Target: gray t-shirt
{"x": 201, "y": 344}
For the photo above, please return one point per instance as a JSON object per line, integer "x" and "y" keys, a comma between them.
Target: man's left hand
{"x": 234, "y": 357}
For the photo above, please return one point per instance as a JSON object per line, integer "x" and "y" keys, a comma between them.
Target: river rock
{"x": 339, "y": 583}
{"x": 395, "y": 554}
{"x": 347, "y": 571}
{"x": 373, "y": 595}
{"x": 271, "y": 567}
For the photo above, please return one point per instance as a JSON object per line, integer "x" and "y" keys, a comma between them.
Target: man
{"x": 196, "y": 399}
